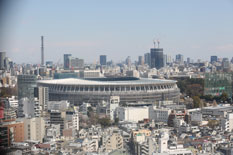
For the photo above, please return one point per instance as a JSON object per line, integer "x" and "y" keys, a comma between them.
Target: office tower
{"x": 7, "y": 63}
{"x": 67, "y": 58}
{"x": 103, "y": 60}
{"x": 147, "y": 58}
{"x": 140, "y": 60}
{"x": 213, "y": 59}
{"x": 26, "y": 85}
{"x": 164, "y": 60}
{"x": 2, "y": 60}
{"x": 169, "y": 59}
{"x": 217, "y": 83}
{"x": 57, "y": 117}
{"x": 42, "y": 50}
{"x": 128, "y": 61}
{"x": 156, "y": 55}
{"x": 226, "y": 64}
{"x": 43, "y": 97}
{"x": 76, "y": 63}
{"x": 188, "y": 60}
{"x": 232, "y": 60}
{"x": 179, "y": 58}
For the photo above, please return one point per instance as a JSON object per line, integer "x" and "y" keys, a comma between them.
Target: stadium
{"x": 96, "y": 90}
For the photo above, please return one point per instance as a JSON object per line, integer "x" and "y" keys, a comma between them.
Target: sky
{"x": 116, "y": 28}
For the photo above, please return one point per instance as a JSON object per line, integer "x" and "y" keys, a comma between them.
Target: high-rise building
{"x": 217, "y": 83}
{"x": 164, "y": 60}
{"x": 75, "y": 120}
{"x": 226, "y": 64}
{"x": 103, "y": 59}
{"x": 26, "y": 85}
{"x": 34, "y": 129}
{"x": 156, "y": 55}
{"x": 179, "y": 58}
{"x": 169, "y": 59}
{"x": 2, "y": 60}
{"x": 147, "y": 58}
{"x": 128, "y": 61}
{"x": 57, "y": 117}
{"x": 67, "y": 58}
{"x": 213, "y": 59}
{"x": 140, "y": 60}
{"x": 76, "y": 63}
{"x": 43, "y": 97}
{"x": 42, "y": 50}
{"x": 188, "y": 60}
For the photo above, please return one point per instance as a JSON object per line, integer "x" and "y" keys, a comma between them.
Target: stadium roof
{"x": 73, "y": 81}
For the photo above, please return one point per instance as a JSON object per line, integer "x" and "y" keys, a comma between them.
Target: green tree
{"x": 116, "y": 121}
{"x": 197, "y": 103}
{"x": 105, "y": 122}
{"x": 224, "y": 97}
{"x": 213, "y": 123}
{"x": 89, "y": 111}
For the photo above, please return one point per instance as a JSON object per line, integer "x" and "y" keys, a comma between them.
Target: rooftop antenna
{"x": 42, "y": 50}
{"x": 158, "y": 42}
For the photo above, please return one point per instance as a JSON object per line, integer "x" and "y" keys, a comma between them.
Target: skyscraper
{"x": 67, "y": 58}
{"x": 213, "y": 59}
{"x": 103, "y": 59}
{"x": 42, "y": 50}
{"x": 188, "y": 60}
{"x": 43, "y": 97}
{"x": 147, "y": 58}
{"x": 164, "y": 60}
{"x": 140, "y": 60}
{"x": 2, "y": 59}
{"x": 76, "y": 63}
{"x": 156, "y": 58}
{"x": 128, "y": 61}
{"x": 179, "y": 58}
{"x": 26, "y": 85}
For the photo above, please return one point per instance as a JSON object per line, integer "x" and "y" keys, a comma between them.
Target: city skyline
{"x": 117, "y": 29}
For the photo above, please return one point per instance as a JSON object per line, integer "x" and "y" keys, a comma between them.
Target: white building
{"x": 159, "y": 114}
{"x": 133, "y": 114}
{"x": 112, "y": 106}
{"x": 90, "y": 74}
{"x": 43, "y": 97}
{"x": 29, "y": 108}
{"x": 163, "y": 146}
{"x": 132, "y": 73}
{"x": 164, "y": 149}
{"x": 227, "y": 123}
{"x": 13, "y": 101}
{"x": 52, "y": 132}
{"x": 34, "y": 129}
{"x": 58, "y": 105}
{"x": 196, "y": 117}
{"x": 75, "y": 120}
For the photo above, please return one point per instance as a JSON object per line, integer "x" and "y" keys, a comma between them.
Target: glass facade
{"x": 26, "y": 85}
{"x": 217, "y": 83}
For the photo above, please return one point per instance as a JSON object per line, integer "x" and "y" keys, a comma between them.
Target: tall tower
{"x": 2, "y": 59}
{"x": 42, "y": 50}
{"x": 103, "y": 60}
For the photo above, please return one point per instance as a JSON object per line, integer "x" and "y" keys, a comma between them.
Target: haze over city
{"x": 86, "y": 29}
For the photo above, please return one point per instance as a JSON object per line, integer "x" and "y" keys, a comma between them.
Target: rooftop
{"x": 73, "y": 81}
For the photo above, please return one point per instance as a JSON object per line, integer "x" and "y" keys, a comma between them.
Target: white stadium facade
{"x": 96, "y": 90}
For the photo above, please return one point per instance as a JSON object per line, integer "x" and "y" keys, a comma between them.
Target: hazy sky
{"x": 117, "y": 28}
